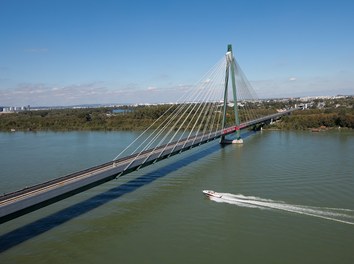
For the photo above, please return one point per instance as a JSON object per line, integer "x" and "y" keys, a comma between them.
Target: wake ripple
{"x": 341, "y": 215}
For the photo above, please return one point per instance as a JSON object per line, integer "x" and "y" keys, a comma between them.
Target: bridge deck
{"x": 18, "y": 203}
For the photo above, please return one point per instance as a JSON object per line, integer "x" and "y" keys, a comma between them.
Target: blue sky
{"x": 61, "y": 52}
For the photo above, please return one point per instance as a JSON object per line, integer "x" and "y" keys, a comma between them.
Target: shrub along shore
{"x": 335, "y": 114}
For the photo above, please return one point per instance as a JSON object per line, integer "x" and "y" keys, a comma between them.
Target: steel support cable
{"x": 210, "y": 112}
{"x": 179, "y": 100}
{"x": 153, "y": 133}
{"x": 196, "y": 112}
{"x": 162, "y": 127}
{"x": 145, "y": 131}
{"x": 134, "y": 141}
{"x": 222, "y": 65}
{"x": 245, "y": 111}
{"x": 240, "y": 92}
{"x": 208, "y": 127}
{"x": 219, "y": 97}
{"x": 211, "y": 125}
{"x": 216, "y": 84}
{"x": 245, "y": 92}
{"x": 218, "y": 114}
{"x": 218, "y": 122}
{"x": 195, "y": 95}
{"x": 161, "y": 132}
{"x": 166, "y": 126}
{"x": 197, "y": 106}
{"x": 250, "y": 89}
{"x": 214, "y": 120}
{"x": 211, "y": 87}
{"x": 201, "y": 111}
{"x": 181, "y": 136}
{"x": 182, "y": 117}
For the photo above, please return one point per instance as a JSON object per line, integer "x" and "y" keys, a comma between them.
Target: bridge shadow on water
{"x": 40, "y": 226}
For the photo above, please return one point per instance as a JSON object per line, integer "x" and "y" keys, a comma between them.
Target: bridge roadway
{"x": 29, "y": 199}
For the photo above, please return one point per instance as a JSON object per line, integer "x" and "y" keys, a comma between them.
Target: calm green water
{"x": 290, "y": 199}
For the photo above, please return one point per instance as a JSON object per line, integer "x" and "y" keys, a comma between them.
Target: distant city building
{"x": 13, "y": 109}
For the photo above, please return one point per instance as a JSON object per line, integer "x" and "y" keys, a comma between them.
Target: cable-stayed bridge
{"x": 218, "y": 107}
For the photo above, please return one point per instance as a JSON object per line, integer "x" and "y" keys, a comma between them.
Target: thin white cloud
{"x": 40, "y": 94}
{"x": 89, "y": 93}
{"x": 338, "y": 83}
{"x": 98, "y": 93}
{"x": 36, "y": 50}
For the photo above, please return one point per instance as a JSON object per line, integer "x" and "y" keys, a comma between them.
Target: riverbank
{"x": 140, "y": 117}
{"x": 316, "y": 119}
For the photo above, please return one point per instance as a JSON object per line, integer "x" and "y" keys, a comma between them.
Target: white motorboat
{"x": 210, "y": 193}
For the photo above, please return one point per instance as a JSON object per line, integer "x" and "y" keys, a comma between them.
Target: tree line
{"x": 316, "y": 118}
{"x": 141, "y": 117}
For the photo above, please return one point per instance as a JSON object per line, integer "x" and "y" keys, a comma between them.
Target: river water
{"x": 288, "y": 197}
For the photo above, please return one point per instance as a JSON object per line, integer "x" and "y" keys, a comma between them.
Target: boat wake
{"x": 345, "y": 216}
